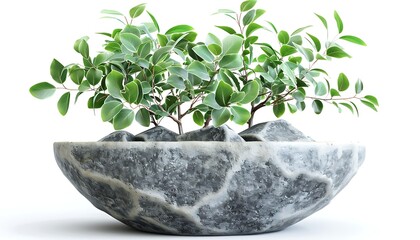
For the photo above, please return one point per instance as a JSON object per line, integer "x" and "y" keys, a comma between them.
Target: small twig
{"x": 207, "y": 122}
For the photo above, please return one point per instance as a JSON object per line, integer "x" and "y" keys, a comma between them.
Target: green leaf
{"x": 287, "y": 50}
{"x": 227, "y": 29}
{"x": 250, "y": 40}
{"x": 176, "y": 82}
{"x": 137, "y": 10}
{"x": 231, "y": 61}
{"x": 83, "y": 48}
{"x": 353, "y": 39}
{"x": 317, "y": 106}
{"x": 178, "y": 71}
{"x": 114, "y": 82}
{"x": 288, "y": 72}
{"x": 279, "y": 109}
{"x": 215, "y": 49}
{"x": 84, "y": 86}
{"x": 301, "y": 106}
{"x": 299, "y": 96}
{"x": 355, "y": 108}
{"x": 249, "y": 17}
{"x": 343, "y": 82}
{"x": 292, "y": 108}
{"x": 110, "y": 109}
{"x": 319, "y": 70}
{"x": 113, "y": 47}
{"x": 334, "y": 93}
{"x": 372, "y": 99}
{"x": 161, "y": 54}
{"x": 214, "y": 44}
{"x": 223, "y": 93}
{"x": 259, "y": 13}
{"x": 348, "y": 106}
{"x": 320, "y": 57}
{"x": 237, "y": 97}
{"x": 252, "y": 28}
{"x": 322, "y": 20}
{"x": 131, "y": 92}
{"x": 162, "y": 39}
{"x": 320, "y": 89}
{"x": 56, "y": 70}
{"x": 179, "y": 29}
{"x": 240, "y": 115}
{"x": 154, "y": 21}
{"x": 299, "y": 30}
{"x": 77, "y": 74}
{"x": 267, "y": 77}
{"x": 203, "y": 52}
{"x": 272, "y": 26}
{"x": 224, "y": 11}
{"x": 306, "y": 52}
{"x": 143, "y": 117}
{"x": 369, "y": 104}
{"x": 296, "y": 60}
{"x": 232, "y": 44}
{"x": 94, "y": 76}
{"x": 42, "y": 90}
{"x": 337, "y": 106}
{"x": 210, "y": 100}
{"x": 283, "y": 37}
{"x": 213, "y": 39}
{"x": 358, "y": 87}
{"x": 77, "y": 97}
{"x": 144, "y": 49}
{"x": 198, "y": 69}
{"x": 337, "y": 52}
{"x": 111, "y": 12}
{"x": 339, "y": 22}
{"x": 296, "y": 39}
{"x": 100, "y": 58}
{"x": 96, "y": 101}
{"x": 220, "y": 116}
{"x": 198, "y": 118}
{"x": 146, "y": 88}
{"x": 130, "y": 41}
{"x": 123, "y": 119}
{"x": 316, "y": 41}
{"x": 248, "y": 5}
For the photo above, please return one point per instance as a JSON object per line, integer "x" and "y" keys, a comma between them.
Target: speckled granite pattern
{"x": 208, "y": 188}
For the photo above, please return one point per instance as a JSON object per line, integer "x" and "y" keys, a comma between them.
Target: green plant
{"x": 145, "y": 75}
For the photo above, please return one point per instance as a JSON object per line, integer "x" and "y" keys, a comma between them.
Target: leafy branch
{"x": 146, "y": 75}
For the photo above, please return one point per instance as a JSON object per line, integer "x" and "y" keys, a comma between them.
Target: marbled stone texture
{"x": 209, "y": 188}
{"x": 274, "y": 131}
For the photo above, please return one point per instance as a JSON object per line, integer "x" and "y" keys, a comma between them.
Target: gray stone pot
{"x": 209, "y": 188}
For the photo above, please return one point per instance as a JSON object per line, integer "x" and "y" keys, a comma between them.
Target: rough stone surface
{"x": 158, "y": 133}
{"x": 118, "y": 136}
{"x": 211, "y": 133}
{"x": 209, "y": 188}
{"x": 275, "y": 131}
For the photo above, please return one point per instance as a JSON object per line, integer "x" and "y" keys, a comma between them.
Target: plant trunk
{"x": 180, "y": 128}
{"x": 251, "y": 120}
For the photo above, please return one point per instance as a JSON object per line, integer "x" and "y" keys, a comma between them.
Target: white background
{"x": 36, "y": 201}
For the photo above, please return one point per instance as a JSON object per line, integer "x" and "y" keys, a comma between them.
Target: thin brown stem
{"x": 207, "y": 122}
{"x": 154, "y": 121}
{"x": 180, "y": 129}
{"x": 256, "y": 108}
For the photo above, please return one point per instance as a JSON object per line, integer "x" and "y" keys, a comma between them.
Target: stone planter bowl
{"x": 209, "y": 188}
